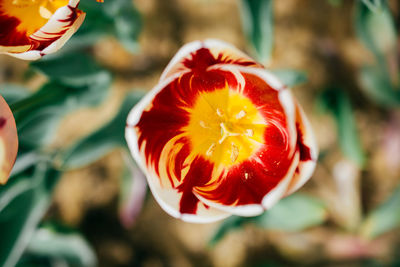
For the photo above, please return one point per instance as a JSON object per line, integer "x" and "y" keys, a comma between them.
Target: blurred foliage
{"x": 118, "y": 18}
{"x": 291, "y": 77}
{"x": 375, "y": 28}
{"x": 293, "y": 213}
{"x": 71, "y": 247}
{"x": 383, "y": 219}
{"x": 25, "y": 202}
{"x": 102, "y": 141}
{"x": 74, "y": 81}
{"x": 257, "y": 20}
{"x": 337, "y": 102}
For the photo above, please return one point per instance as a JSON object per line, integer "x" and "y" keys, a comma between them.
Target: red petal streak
{"x": 201, "y": 59}
{"x": 305, "y": 152}
{"x": 9, "y": 36}
{"x": 162, "y": 122}
{"x": 199, "y": 174}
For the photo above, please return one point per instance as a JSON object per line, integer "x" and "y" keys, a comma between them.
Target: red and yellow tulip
{"x": 30, "y": 29}
{"x": 8, "y": 141}
{"x": 220, "y": 135}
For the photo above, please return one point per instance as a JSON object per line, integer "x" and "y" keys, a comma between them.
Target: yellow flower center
{"x": 225, "y": 127}
{"x": 32, "y": 14}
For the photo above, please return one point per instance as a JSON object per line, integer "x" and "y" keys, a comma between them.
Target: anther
{"x": 235, "y": 153}
{"x": 240, "y": 115}
{"x": 203, "y": 124}
{"x": 210, "y": 150}
{"x": 249, "y": 132}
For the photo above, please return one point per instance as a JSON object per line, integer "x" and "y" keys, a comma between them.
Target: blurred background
{"x": 75, "y": 198}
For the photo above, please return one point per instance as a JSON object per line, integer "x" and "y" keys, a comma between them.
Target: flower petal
{"x": 8, "y": 141}
{"x": 217, "y": 135}
{"x": 202, "y": 54}
{"x": 308, "y": 151}
{"x": 167, "y": 196}
{"x": 45, "y": 36}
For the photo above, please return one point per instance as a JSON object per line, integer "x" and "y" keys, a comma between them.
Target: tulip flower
{"x": 220, "y": 135}
{"x": 8, "y": 141}
{"x": 30, "y": 29}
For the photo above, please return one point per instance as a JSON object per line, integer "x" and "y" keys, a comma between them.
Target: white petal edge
{"x": 268, "y": 200}
{"x": 306, "y": 168}
{"x": 189, "y": 48}
{"x": 56, "y": 45}
{"x": 279, "y": 191}
{"x": 29, "y": 55}
{"x": 50, "y": 28}
{"x": 168, "y": 199}
{"x": 73, "y": 3}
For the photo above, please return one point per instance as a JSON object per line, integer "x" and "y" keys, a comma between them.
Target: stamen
{"x": 45, "y": 13}
{"x": 246, "y": 175}
{"x": 203, "y": 124}
{"x": 225, "y": 133}
{"x": 240, "y": 115}
{"x": 211, "y": 150}
{"x": 235, "y": 153}
{"x": 220, "y": 113}
{"x": 249, "y": 132}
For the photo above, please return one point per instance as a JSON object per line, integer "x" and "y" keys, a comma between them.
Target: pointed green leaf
{"x": 294, "y": 213}
{"x": 291, "y": 77}
{"x": 257, "y": 20}
{"x": 74, "y": 69}
{"x": 376, "y": 83}
{"x": 383, "y": 219}
{"x": 102, "y": 141}
{"x": 71, "y": 247}
{"x": 230, "y": 224}
{"x": 19, "y": 219}
{"x": 375, "y": 26}
{"x": 337, "y": 102}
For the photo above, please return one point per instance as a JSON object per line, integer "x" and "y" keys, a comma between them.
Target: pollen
{"x": 240, "y": 115}
{"x": 234, "y": 153}
{"x": 224, "y": 127}
{"x": 211, "y": 149}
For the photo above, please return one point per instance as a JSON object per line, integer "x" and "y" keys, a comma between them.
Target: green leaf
{"x": 127, "y": 25}
{"x": 12, "y": 92}
{"x": 118, "y": 18}
{"x": 102, "y": 141}
{"x": 230, "y": 224}
{"x": 71, "y": 247}
{"x": 376, "y": 83}
{"x": 383, "y": 219}
{"x": 14, "y": 188}
{"x": 257, "y": 20}
{"x": 27, "y": 159}
{"x": 290, "y": 77}
{"x": 338, "y": 103}
{"x": 294, "y": 213}
{"x": 375, "y": 27}
{"x": 18, "y": 220}
{"x": 38, "y": 116}
{"x": 74, "y": 69}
